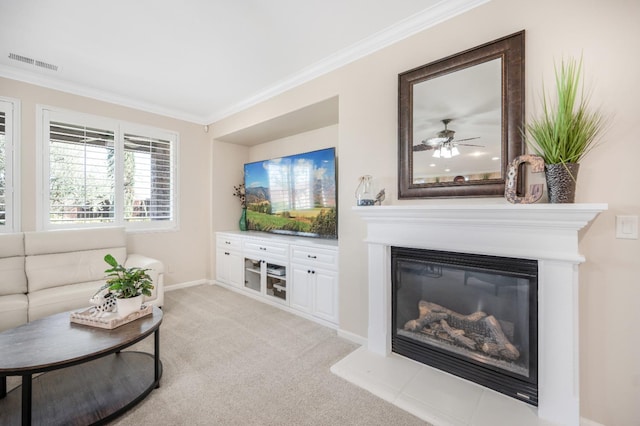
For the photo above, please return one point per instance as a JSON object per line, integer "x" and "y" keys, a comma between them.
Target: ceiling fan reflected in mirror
{"x": 443, "y": 144}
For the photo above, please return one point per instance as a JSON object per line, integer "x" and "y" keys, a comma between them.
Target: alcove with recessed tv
{"x": 288, "y": 256}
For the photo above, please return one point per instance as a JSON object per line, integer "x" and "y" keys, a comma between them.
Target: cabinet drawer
{"x": 315, "y": 256}
{"x": 229, "y": 242}
{"x": 262, "y": 248}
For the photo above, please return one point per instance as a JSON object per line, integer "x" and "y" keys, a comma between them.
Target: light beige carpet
{"x": 231, "y": 360}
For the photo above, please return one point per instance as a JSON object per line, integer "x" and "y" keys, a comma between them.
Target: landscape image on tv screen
{"x": 293, "y": 195}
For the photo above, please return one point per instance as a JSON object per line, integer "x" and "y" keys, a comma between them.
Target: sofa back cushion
{"x": 53, "y": 270}
{"x": 12, "y": 277}
{"x": 57, "y": 258}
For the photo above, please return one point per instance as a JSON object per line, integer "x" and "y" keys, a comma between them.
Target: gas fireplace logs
{"x": 477, "y": 331}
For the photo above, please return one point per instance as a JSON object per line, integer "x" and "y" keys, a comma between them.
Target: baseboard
{"x": 186, "y": 284}
{"x": 586, "y": 422}
{"x": 355, "y": 338}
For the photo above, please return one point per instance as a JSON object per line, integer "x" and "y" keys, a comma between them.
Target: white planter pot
{"x": 128, "y": 306}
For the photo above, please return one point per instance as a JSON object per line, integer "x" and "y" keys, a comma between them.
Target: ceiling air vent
{"x": 46, "y": 65}
{"x": 21, "y": 58}
{"x": 32, "y": 61}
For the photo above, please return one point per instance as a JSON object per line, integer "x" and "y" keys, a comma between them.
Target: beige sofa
{"x": 42, "y": 273}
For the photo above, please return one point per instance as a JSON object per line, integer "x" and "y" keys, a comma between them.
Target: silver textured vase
{"x": 561, "y": 182}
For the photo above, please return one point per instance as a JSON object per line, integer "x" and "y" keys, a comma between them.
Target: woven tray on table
{"x": 108, "y": 320}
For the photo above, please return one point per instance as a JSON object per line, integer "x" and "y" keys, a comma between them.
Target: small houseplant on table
{"x": 128, "y": 285}
{"x": 565, "y": 132}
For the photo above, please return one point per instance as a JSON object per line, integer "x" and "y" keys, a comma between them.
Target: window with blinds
{"x": 147, "y": 178}
{"x": 104, "y": 172}
{"x": 81, "y": 174}
{"x": 9, "y": 191}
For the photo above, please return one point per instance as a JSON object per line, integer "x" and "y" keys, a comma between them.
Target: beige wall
{"x": 607, "y": 33}
{"x": 313, "y": 140}
{"x": 184, "y": 251}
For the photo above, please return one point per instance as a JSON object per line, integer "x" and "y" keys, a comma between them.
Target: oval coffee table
{"x": 86, "y": 380}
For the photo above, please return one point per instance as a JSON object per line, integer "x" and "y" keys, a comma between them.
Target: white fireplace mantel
{"x": 547, "y": 233}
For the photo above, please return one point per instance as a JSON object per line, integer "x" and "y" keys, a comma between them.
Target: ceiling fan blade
{"x": 422, "y": 147}
{"x": 468, "y": 144}
{"x": 466, "y": 139}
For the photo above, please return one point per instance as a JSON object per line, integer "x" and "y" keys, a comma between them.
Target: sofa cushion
{"x": 70, "y": 240}
{"x": 12, "y": 277}
{"x": 12, "y": 245}
{"x": 63, "y": 298}
{"x": 53, "y": 270}
{"x": 13, "y": 311}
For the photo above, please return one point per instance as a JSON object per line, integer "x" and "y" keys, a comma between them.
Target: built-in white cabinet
{"x": 296, "y": 274}
{"x": 229, "y": 260}
{"x": 314, "y": 283}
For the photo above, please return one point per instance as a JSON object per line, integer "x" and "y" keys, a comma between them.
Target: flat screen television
{"x": 293, "y": 195}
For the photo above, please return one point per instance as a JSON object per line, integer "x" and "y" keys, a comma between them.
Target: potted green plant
{"x": 128, "y": 285}
{"x": 566, "y": 131}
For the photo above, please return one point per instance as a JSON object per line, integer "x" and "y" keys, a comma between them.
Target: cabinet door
{"x": 222, "y": 273}
{"x": 325, "y": 295}
{"x": 228, "y": 267}
{"x": 253, "y": 274}
{"x": 276, "y": 276}
{"x": 235, "y": 269}
{"x": 301, "y": 288}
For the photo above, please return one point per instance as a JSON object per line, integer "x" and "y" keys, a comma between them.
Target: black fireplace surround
{"x": 470, "y": 315}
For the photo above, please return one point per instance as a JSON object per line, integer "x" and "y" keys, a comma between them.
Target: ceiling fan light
{"x": 437, "y": 140}
{"x": 436, "y": 153}
{"x": 446, "y": 153}
{"x": 454, "y": 151}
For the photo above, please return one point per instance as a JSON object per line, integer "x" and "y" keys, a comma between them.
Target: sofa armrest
{"x": 155, "y": 271}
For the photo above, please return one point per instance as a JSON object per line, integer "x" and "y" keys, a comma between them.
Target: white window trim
{"x": 12, "y": 108}
{"x": 44, "y": 114}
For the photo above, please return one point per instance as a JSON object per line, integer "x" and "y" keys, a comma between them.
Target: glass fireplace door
{"x": 473, "y": 316}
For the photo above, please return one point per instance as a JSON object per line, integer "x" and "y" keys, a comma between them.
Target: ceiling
{"x": 199, "y": 60}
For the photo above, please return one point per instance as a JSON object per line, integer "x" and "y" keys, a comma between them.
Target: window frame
{"x": 47, "y": 114}
{"x": 12, "y": 110}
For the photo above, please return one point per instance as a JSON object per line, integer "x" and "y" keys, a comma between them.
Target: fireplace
{"x": 544, "y": 233}
{"x": 470, "y": 315}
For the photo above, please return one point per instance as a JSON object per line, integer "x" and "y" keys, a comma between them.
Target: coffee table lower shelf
{"x": 91, "y": 393}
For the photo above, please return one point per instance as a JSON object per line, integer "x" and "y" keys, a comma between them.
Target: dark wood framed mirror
{"x": 460, "y": 120}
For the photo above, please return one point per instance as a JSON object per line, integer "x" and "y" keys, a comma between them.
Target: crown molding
{"x": 427, "y": 18}
{"x": 28, "y": 76}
